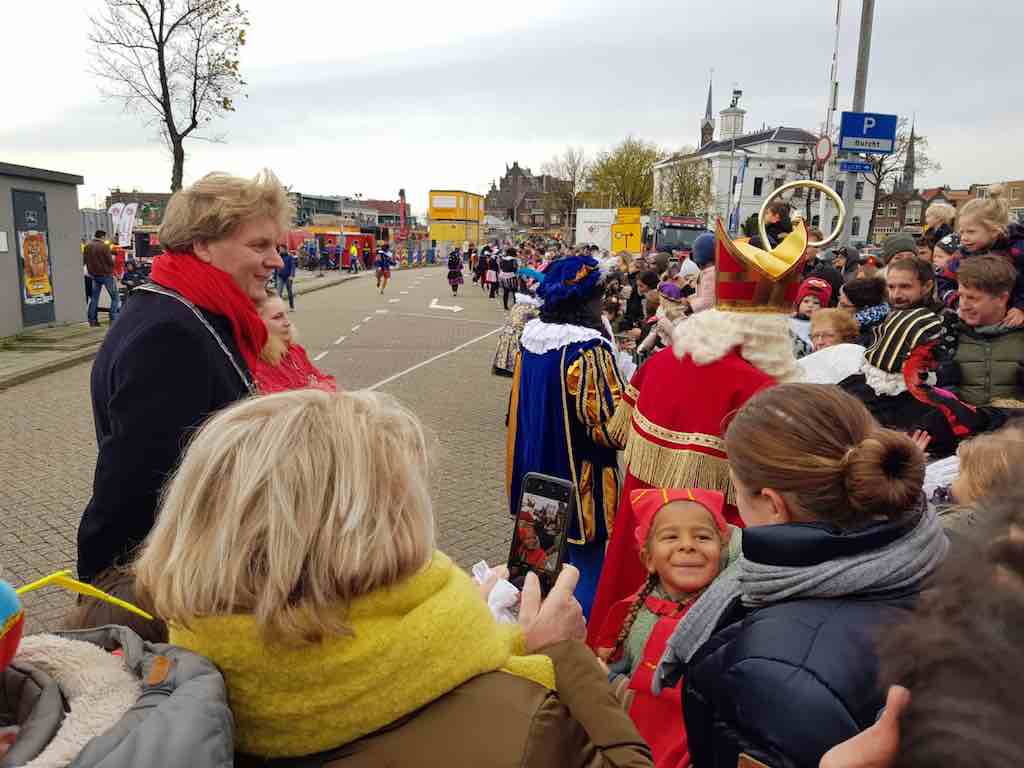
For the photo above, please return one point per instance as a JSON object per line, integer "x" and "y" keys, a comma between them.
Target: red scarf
{"x": 214, "y": 290}
{"x": 295, "y": 371}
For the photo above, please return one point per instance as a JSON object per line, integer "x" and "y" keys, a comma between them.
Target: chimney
{"x": 730, "y": 120}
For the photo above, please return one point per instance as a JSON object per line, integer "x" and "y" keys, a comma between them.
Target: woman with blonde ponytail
{"x": 779, "y": 650}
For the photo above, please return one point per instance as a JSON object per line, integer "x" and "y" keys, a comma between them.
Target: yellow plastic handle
{"x": 63, "y": 579}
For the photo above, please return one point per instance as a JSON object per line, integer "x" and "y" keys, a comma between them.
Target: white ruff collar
{"x": 540, "y": 337}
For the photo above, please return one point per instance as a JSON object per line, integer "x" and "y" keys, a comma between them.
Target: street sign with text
{"x": 867, "y": 132}
{"x": 852, "y": 166}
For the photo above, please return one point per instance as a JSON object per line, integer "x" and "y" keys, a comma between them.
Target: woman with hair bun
{"x": 779, "y": 651}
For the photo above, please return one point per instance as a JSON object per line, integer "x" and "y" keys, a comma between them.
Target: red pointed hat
{"x": 649, "y": 501}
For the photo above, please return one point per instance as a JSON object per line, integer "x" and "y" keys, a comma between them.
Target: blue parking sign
{"x": 867, "y": 132}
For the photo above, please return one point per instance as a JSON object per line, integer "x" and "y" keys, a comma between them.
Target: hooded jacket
{"x": 787, "y": 682}
{"x": 158, "y": 706}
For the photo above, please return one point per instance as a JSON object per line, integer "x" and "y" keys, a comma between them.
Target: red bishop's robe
{"x": 675, "y": 413}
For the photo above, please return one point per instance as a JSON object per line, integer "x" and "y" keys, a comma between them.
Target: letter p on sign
{"x": 869, "y": 123}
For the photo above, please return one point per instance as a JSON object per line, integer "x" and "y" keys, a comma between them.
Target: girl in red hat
{"x": 683, "y": 539}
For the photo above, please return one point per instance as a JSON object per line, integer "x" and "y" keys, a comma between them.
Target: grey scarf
{"x": 902, "y": 564}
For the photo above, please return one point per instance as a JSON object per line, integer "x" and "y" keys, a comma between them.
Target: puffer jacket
{"x": 988, "y": 361}
{"x": 158, "y": 706}
{"x": 1010, "y": 246}
{"x": 788, "y": 682}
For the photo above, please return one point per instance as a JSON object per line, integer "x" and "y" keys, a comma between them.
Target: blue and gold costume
{"x": 565, "y": 390}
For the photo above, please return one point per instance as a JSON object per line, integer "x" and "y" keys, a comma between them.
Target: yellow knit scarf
{"x": 411, "y": 644}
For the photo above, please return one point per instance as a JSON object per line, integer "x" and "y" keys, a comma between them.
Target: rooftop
{"x": 782, "y": 134}
{"x": 39, "y": 174}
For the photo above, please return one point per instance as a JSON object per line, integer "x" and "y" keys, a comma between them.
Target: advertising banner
{"x": 126, "y": 226}
{"x": 35, "y": 264}
{"x": 115, "y": 218}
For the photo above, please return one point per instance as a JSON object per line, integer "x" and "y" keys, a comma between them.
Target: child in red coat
{"x": 683, "y": 538}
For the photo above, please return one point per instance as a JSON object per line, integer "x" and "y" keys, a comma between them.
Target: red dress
{"x": 675, "y": 412}
{"x": 295, "y": 371}
{"x": 659, "y": 719}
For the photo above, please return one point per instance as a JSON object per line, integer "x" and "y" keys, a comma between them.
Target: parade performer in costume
{"x": 384, "y": 264}
{"x": 677, "y": 406}
{"x": 564, "y": 392}
{"x": 455, "y": 271}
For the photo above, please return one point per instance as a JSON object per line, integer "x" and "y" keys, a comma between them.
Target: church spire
{"x": 910, "y": 164}
{"x": 707, "y": 125}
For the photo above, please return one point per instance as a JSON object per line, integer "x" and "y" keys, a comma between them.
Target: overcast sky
{"x": 367, "y": 97}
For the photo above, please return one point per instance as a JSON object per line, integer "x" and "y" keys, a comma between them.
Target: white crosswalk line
{"x": 321, "y": 356}
{"x": 340, "y": 339}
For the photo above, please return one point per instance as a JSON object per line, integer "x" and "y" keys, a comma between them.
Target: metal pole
{"x": 830, "y": 110}
{"x": 860, "y": 85}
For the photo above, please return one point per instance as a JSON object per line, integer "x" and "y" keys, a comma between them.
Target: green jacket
{"x": 989, "y": 359}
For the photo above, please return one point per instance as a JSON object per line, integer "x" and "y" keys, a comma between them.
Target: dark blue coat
{"x": 788, "y": 682}
{"x": 158, "y": 375}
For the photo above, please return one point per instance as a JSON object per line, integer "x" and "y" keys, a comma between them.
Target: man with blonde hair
{"x": 184, "y": 349}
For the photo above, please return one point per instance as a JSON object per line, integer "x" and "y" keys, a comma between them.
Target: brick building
{"x": 535, "y": 201}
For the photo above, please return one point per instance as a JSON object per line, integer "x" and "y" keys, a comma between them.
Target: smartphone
{"x": 546, "y": 505}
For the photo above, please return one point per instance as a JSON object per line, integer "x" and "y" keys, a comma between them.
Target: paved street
{"x": 435, "y": 360}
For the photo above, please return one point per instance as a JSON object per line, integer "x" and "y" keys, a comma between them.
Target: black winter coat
{"x": 158, "y": 375}
{"x": 787, "y": 682}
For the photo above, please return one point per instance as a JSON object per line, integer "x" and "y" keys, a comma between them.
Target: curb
{"x": 88, "y": 353}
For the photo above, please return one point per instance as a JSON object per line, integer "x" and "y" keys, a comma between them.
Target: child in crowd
{"x": 813, "y": 294}
{"x": 832, "y": 326}
{"x": 984, "y": 227}
{"x": 684, "y": 541}
{"x": 866, "y": 298}
{"x": 988, "y": 467}
{"x": 944, "y": 254}
{"x": 924, "y": 249}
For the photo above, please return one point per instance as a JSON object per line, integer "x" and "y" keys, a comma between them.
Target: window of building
{"x": 556, "y": 218}
{"x": 780, "y": 166}
{"x": 840, "y": 185}
{"x": 783, "y": 150}
{"x": 802, "y": 151}
{"x": 779, "y": 182}
{"x": 758, "y": 186}
{"x": 858, "y": 193}
{"x": 835, "y": 220}
{"x": 734, "y": 184}
{"x": 815, "y": 220}
{"x": 1015, "y": 193}
{"x": 1017, "y": 214}
{"x": 893, "y": 209}
{"x": 855, "y": 227}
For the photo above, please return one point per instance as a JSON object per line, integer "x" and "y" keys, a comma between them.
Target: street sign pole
{"x": 867, "y": 14}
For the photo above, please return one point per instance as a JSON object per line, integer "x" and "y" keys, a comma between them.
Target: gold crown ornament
{"x": 752, "y": 279}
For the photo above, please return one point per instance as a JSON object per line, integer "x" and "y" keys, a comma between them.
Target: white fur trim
{"x": 832, "y": 364}
{"x": 540, "y": 337}
{"x": 763, "y": 340}
{"x": 883, "y": 383}
{"x": 98, "y": 687}
{"x": 525, "y": 298}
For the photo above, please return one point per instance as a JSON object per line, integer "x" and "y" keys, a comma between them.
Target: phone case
{"x": 534, "y": 520}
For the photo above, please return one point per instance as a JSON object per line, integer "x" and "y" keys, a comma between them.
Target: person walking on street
{"x": 285, "y": 275}
{"x": 353, "y": 258}
{"x": 384, "y": 263}
{"x": 99, "y": 264}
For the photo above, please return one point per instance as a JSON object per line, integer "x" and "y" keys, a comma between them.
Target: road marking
{"x": 340, "y": 339}
{"x": 433, "y": 359}
{"x": 393, "y": 301}
{"x": 404, "y": 293}
{"x": 383, "y": 311}
{"x": 321, "y": 356}
{"x": 356, "y": 328}
{"x": 450, "y": 319}
{"x": 367, "y": 319}
{"x": 435, "y": 305}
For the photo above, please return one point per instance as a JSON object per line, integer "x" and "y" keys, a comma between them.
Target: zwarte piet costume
{"x": 564, "y": 392}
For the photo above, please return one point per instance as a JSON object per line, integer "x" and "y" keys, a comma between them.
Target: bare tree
{"x": 885, "y": 168}
{"x": 624, "y": 176}
{"x": 175, "y": 61}
{"x": 684, "y": 187}
{"x": 572, "y": 168}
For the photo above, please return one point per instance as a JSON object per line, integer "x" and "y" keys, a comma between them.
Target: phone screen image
{"x": 538, "y": 539}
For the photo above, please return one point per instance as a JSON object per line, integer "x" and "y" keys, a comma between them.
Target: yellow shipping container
{"x": 455, "y": 205}
{"x": 455, "y": 233}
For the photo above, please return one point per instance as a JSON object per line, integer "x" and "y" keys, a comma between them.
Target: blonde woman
{"x": 939, "y": 218}
{"x": 283, "y": 363}
{"x": 185, "y": 349}
{"x": 340, "y": 629}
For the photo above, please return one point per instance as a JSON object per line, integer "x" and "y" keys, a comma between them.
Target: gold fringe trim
{"x": 618, "y": 425}
{"x": 663, "y": 467}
